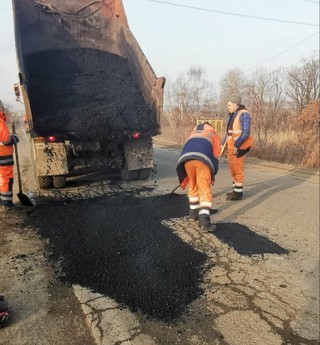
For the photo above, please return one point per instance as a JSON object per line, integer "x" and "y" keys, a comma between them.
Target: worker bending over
{"x": 197, "y": 166}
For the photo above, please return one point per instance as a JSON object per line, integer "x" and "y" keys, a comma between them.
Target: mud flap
{"x": 51, "y": 159}
{"x": 138, "y": 153}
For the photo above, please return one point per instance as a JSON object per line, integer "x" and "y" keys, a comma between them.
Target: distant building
{"x": 1, "y": 106}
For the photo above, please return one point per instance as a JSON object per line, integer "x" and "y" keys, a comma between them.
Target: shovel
{"x": 25, "y": 201}
{"x": 175, "y": 188}
{"x": 221, "y": 152}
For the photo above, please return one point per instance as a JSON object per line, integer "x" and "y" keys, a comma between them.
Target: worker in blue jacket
{"x": 239, "y": 141}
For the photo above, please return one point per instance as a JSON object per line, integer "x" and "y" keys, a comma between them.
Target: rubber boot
{"x": 7, "y": 205}
{"x": 205, "y": 223}
{"x": 194, "y": 214}
{"x": 231, "y": 193}
{"x": 235, "y": 196}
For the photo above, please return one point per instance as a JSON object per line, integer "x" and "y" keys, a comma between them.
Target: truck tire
{"x": 59, "y": 181}
{"x": 144, "y": 174}
{"x": 44, "y": 182}
{"x": 129, "y": 175}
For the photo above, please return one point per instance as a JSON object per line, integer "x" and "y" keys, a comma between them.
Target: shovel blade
{"x": 25, "y": 201}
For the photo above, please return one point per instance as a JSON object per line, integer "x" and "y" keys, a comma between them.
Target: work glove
{"x": 12, "y": 141}
{"x": 235, "y": 151}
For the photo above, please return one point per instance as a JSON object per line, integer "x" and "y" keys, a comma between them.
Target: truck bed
{"x": 84, "y": 93}
{"x": 83, "y": 72}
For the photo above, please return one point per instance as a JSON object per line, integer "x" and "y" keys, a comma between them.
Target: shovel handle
{"x": 223, "y": 148}
{"x": 173, "y": 190}
{"x": 17, "y": 158}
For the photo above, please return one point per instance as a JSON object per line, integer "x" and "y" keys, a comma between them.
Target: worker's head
{"x": 234, "y": 101}
{"x": 3, "y": 116}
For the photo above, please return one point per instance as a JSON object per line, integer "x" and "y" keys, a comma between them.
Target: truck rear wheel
{"x": 59, "y": 181}
{"x": 144, "y": 174}
{"x": 44, "y": 182}
{"x": 129, "y": 175}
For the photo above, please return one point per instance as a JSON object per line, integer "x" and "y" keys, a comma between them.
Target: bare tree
{"x": 303, "y": 83}
{"x": 190, "y": 97}
{"x": 266, "y": 96}
{"x": 233, "y": 82}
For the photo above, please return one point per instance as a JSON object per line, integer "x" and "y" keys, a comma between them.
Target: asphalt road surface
{"x": 109, "y": 263}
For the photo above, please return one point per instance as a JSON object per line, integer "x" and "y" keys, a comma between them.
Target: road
{"x": 105, "y": 262}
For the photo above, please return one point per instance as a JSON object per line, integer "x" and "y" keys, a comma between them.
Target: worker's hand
{"x": 235, "y": 151}
{"x": 12, "y": 141}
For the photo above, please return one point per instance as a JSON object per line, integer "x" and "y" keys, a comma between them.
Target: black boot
{"x": 235, "y": 196}
{"x": 194, "y": 214}
{"x": 205, "y": 223}
{"x": 231, "y": 193}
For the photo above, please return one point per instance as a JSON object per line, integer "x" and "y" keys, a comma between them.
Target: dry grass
{"x": 299, "y": 148}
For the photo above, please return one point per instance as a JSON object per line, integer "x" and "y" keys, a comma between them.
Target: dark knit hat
{"x": 234, "y": 98}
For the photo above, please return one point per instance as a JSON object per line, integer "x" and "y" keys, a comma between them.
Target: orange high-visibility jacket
{"x": 204, "y": 145}
{"x": 4, "y": 131}
{"x": 235, "y": 133}
{"x": 4, "y": 138}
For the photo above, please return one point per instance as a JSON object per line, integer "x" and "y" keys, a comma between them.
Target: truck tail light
{"x": 135, "y": 136}
{"x": 51, "y": 139}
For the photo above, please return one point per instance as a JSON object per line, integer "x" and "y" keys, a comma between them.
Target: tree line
{"x": 284, "y": 104}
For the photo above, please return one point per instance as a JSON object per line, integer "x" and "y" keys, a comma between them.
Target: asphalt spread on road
{"x": 117, "y": 246}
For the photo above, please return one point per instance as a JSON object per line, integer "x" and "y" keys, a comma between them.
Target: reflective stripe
{"x": 234, "y": 131}
{"x": 6, "y": 197}
{"x": 193, "y": 199}
{"x": 208, "y": 138}
{"x": 197, "y": 154}
{"x": 204, "y": 211}
{"x": 194, "y": 207}
{"x": 205, "y": 204}
{"x": 6, "y": 161}
{"x": 238, "y": 187}
{"x": 236, "y": 123}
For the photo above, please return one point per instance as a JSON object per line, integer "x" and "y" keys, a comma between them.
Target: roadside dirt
{"x": 43, "y": 310}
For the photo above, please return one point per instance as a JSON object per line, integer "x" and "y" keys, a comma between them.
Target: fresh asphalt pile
{"x": 80, "y": 89}
{"x": 246, "y": 241}
{"x": 117, "y": 246}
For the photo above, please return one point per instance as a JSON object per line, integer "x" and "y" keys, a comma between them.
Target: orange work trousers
{"x": 6, "y": 183}
{"x": 236, "y": 165}
{"x": 200, "y": 183}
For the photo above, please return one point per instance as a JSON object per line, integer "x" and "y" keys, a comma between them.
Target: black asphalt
{"x": 73, "y": 90}
{"x": 245, "y": 241}
{"x": 117, "y": 246}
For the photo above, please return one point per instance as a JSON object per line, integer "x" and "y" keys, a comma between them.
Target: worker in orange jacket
{"x": 6, "y": 162}
{"x": 239, "y": 142}
{"x": 197, "y": 166}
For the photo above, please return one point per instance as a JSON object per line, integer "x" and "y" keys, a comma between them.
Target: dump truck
{"x": 91, "y": 98}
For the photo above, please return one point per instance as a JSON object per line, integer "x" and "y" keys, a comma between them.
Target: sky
{"x": 215, "y": 35}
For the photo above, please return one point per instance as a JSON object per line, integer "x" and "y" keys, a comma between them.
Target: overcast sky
{"x": 177, "y": 34}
